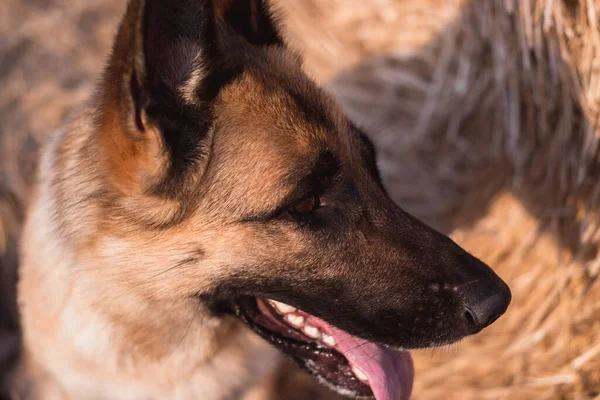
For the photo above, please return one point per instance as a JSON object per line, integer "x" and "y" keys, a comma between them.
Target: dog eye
{"x": 305, "y": 206}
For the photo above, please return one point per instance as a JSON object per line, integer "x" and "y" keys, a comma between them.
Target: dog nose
{"x": 485, "y": 302}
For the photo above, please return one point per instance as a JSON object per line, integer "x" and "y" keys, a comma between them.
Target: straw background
{"x": 485, "y": 115}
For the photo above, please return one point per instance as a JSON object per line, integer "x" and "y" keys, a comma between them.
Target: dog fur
{"x": 169, "y": 197}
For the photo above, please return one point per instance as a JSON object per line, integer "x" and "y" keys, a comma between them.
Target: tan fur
{"x": 175, "y": 192}
{"x": 35, "y": 95}
{"x": 97, "y": 284}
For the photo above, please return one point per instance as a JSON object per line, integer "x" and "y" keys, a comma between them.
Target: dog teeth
{"x": 359, "y": 374}
{"x": 295, "y": 320}
{"x": 311, "y": 331}
{"x": 328, "y": 340}
{"x": 282, "y": 307}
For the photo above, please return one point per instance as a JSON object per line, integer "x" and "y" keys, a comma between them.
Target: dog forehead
{"x": 267, "y": 139}
{"x": 280, "y": 110}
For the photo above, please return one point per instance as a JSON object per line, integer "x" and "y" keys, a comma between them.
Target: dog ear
{"x": 169, "y": 61}
{"x": 153, "y": 124}
{"x": 252, "y": 19}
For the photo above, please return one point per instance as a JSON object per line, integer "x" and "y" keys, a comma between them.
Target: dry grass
{"x": 485, "y": 116}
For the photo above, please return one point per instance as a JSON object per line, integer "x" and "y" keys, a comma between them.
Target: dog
{"x": 213, "y": 208}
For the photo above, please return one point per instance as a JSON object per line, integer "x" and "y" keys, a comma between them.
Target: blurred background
{"x": 485, "y": 116}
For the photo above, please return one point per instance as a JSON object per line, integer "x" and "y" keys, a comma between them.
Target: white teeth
{"x": 295, "y": 320}
{"x": 359, "y": 374}
{"x": 282, "y": 307}
{"x": 328, "y": 340}
{"x": 311, "y": 332}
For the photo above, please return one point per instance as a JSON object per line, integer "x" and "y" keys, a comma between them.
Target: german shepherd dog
{"x": 212, "y": 195}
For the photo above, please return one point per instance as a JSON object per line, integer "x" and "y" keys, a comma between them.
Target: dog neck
{"x": 96, "y": 337}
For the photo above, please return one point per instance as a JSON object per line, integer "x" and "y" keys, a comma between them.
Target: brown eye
{"x": 305, "y": 206}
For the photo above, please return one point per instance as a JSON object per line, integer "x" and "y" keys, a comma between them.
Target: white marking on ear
{"x": 189, "y": 87}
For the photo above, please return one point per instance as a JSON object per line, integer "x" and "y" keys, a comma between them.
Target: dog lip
{"x": 388, "y": 372}
{"x": 318, "y": 357}
{"x": 347, "y": 363}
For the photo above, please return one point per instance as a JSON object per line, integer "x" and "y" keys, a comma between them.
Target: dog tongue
{"x": 390, "y": 372}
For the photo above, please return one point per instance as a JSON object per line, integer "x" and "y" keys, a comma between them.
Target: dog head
{"x": 230, "y": 177}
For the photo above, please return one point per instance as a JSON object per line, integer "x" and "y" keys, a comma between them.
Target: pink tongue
{"x": 390, "y": 372}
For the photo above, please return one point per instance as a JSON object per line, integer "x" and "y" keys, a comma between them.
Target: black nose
{"x": 485, "y": 302}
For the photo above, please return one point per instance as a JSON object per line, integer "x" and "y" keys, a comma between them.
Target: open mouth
{"x": 349, "y": 365}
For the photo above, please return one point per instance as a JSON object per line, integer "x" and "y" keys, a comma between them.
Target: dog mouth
{"x": 347, "y": 364}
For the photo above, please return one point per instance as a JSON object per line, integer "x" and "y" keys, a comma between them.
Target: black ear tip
{"x": 252, "y": 19}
